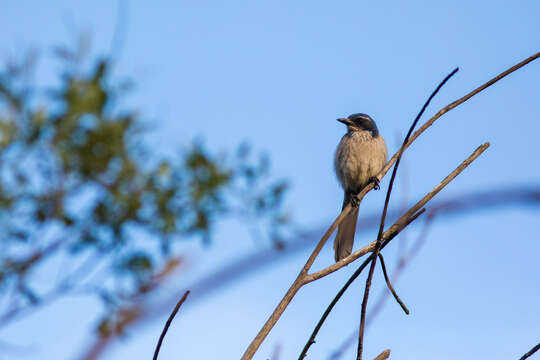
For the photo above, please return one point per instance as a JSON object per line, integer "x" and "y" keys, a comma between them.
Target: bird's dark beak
{"x": 345, "y": 121}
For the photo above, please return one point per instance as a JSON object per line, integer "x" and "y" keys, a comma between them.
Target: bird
{"x": 360, "y": 156}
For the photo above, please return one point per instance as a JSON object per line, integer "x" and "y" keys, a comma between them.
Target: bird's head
{"x": 360, "y": 122}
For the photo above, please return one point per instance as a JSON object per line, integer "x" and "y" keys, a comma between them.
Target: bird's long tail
{"x": 344, "y": 240}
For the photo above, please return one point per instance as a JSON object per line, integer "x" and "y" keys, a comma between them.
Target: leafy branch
{"x": 78, "y": 182}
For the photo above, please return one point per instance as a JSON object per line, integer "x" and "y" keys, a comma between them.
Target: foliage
{"x": 77, "y": 182}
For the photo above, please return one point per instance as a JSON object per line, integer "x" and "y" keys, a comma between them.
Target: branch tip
{"x": 168, "y": 323}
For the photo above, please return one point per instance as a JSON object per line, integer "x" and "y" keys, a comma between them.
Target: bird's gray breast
{"x": 359, "y": 156}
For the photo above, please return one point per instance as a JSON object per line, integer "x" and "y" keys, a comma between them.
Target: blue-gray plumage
{"x": 360, "y": 155}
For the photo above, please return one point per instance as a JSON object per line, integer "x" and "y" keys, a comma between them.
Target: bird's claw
{"x": 375, "y": 182}
{"x": 355, "y": 201}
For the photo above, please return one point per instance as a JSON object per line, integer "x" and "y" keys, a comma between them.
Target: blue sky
{"x": 278, "y": 74}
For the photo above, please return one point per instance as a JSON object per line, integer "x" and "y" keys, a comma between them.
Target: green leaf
{"x": 139, "y": 263}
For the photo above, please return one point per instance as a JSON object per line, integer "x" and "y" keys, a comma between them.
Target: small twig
{"x": 403, "y": 260}
{"x": 530, "y": 352}
{"x": 168, "y": 323}
{"x": 390, "y": 287}
{"x": 384, "y": 355}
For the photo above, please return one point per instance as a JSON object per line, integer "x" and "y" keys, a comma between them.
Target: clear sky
{"x": 278, "y": 74}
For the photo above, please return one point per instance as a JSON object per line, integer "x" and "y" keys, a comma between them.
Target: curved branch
{"x": 390, "y": 287}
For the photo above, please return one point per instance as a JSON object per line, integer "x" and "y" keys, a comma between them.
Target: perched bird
{"x": 360, "y": 155}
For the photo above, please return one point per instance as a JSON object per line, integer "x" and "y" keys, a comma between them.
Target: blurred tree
{"x": 77, "y": 182}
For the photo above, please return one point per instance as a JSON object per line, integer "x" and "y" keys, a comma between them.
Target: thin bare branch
{"x": 530, "y": 352}
{"x": 168, "y": 323}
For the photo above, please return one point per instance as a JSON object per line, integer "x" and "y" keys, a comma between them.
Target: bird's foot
{"x": 355, "y": 201}
{"x": 375, "y": 182}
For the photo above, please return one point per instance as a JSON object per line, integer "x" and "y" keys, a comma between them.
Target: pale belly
{"x": 358, "y": 158}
